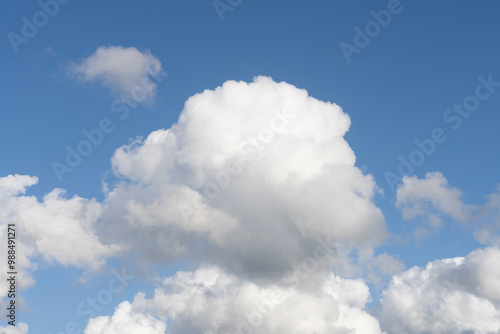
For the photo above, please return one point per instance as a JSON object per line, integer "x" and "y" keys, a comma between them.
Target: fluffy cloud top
{"x": 125, "y": 321}
{"x": 123, "y": 70}
{"x": 211, "y": 301}
{"x": 460, "y": 295}
{"x": 250, "y": 176}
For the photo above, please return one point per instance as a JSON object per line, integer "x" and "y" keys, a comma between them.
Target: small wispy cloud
{"x": 50, "y": 51}
{"x": 122, "y": 70}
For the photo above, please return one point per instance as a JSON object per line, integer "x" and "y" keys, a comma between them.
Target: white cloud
{"x": 49, "y": 50}
{"x": 246, "y": 182}
{"x": 416, "y": 196}
{"x": 54, "y": 230}
{"x": 125, "y": 321}
{"x": 433, "y": 198}
{"x": 488, "y": 228}
{"x": 460, "y": 295}
{"x": 20, "y": 328}
{"x": 211, "y": 301}
{"x": 295, "y": 181}
{"x": 16, "y": 184}
{"x": 123, "y": 70}
{"x": 58, "y": 229}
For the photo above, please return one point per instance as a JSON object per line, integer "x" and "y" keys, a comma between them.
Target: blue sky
{"x": 395, "y": 90}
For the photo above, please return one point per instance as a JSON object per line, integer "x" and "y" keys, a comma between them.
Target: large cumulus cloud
{"x": 256, "y": 186}
{"x": 250, "y": 177}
